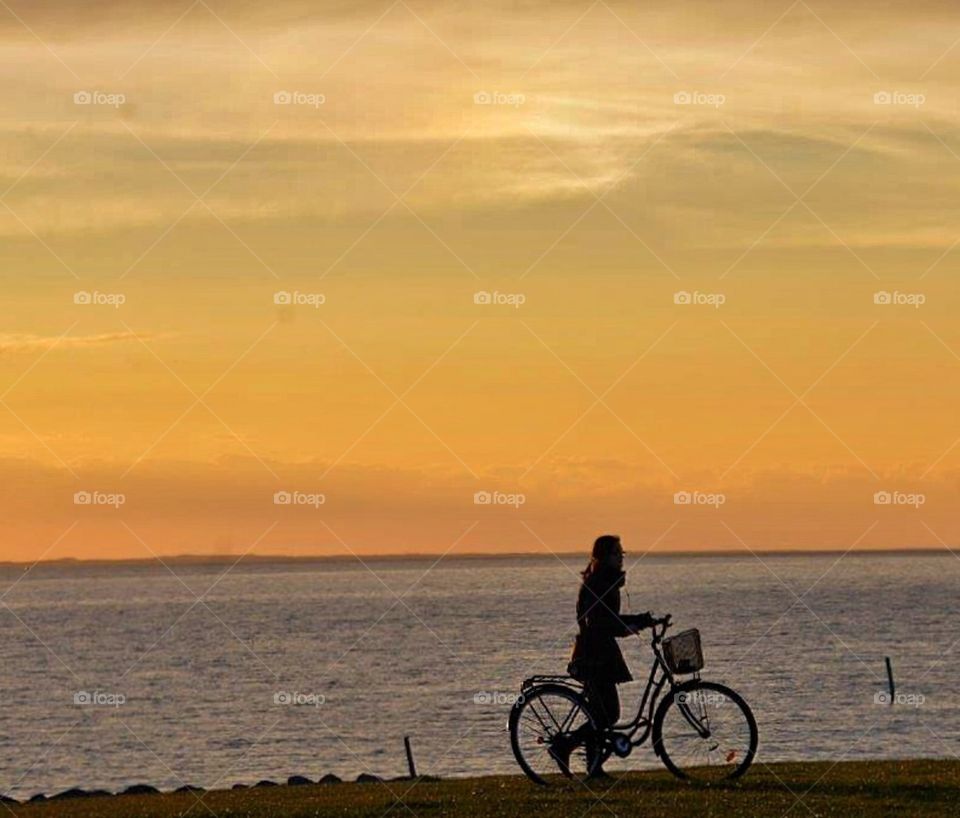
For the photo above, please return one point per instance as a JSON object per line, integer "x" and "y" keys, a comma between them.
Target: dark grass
{"x": 844, "y": 790}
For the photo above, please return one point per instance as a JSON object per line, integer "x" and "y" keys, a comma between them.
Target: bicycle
{"x": 701, "y": 731}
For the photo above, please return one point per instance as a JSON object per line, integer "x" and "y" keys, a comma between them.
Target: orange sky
{"x": 585, "y": 164}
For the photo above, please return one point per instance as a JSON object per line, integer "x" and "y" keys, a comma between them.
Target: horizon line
{"x": 202, "y": 558}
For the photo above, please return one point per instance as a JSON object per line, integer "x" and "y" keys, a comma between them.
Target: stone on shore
{"x": 140, "y": 789}
{"x": 76, "y": 792}
{"x": 298, "y": 781}
{"x": 330, "y": 778}
{"x": 367, "y": 778}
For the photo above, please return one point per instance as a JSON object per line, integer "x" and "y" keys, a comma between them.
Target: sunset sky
{"x": 417, "y": 154}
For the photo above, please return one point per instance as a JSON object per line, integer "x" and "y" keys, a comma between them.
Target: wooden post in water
{"x": 410, "y": 763}
{"x": 893, "y": 689}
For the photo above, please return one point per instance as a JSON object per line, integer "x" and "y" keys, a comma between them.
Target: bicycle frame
{"x": 659, "y": 676}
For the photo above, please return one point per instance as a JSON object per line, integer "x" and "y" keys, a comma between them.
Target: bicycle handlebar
{"x": 660, "y": 626}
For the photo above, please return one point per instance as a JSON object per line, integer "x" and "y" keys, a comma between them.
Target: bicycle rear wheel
{"x": 705, "y": 732}
{"x": 553, "y": 718}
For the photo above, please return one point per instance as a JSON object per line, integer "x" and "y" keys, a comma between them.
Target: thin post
{"x": 410, "y": 763}
{"x": 893, "y": 689}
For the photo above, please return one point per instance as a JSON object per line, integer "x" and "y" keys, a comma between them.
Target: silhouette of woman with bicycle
{"x": 597, "y": 660}
{"x": 570, "y": 724}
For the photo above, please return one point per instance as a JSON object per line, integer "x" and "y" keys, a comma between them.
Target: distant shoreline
{"x": 260, "y": 559}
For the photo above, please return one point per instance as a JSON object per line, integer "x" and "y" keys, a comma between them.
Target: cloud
{"x": 67, "y": 20}
{"x": 181, "y": 506}
{"x": 11, "y": 342}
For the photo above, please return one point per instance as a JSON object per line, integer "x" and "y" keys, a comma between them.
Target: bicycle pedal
{"x": 622, "y": 745}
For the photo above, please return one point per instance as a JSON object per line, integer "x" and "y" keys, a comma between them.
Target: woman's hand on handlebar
{"x": 641, "y": 622}
{"x": 661, "y": 623}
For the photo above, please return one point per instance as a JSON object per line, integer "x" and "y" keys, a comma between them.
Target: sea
{"x": 212, "y": 674}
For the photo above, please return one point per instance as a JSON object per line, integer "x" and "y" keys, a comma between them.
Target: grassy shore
{"x": 889, "y": 788}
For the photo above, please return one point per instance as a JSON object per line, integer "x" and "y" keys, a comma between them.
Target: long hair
{"x": 603, "y": 547}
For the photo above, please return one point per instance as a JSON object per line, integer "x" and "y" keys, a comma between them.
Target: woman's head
{"x": 607, "y": 553}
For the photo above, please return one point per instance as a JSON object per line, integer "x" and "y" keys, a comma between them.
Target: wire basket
{"x": 682, "y": 652}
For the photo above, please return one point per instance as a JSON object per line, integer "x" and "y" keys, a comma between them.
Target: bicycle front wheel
{"x": 705, "y": 732}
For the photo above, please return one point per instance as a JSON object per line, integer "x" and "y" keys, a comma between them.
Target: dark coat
{"x": 596, "y": 654}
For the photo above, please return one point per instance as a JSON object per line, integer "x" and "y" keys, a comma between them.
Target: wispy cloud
{"x": 27, "y": 342}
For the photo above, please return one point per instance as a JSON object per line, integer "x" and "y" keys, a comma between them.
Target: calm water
{"x": 198, "y": 680}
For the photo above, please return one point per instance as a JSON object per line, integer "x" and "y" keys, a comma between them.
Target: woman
{"x": 597, "y": 660}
